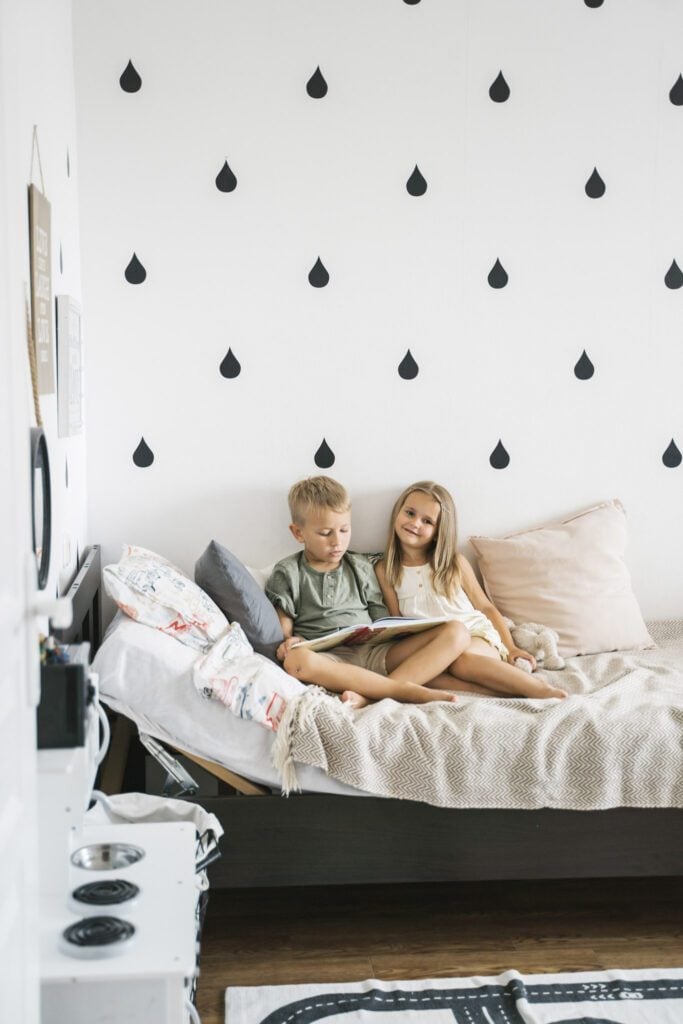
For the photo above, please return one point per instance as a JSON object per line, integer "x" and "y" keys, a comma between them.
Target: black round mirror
{"x": 41, "y": 504}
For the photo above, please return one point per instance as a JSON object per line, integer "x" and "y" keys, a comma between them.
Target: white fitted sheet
{"x": 147, "y": 676}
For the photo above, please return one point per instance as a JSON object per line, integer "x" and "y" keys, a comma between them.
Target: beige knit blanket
{"x": 616, "y": 741}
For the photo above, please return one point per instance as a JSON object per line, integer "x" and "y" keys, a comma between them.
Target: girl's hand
{"x": 517, "y": 652}
{"x": 283, "y": 649}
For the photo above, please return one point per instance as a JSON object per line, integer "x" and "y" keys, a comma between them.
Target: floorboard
{"x": 291, "y": 936}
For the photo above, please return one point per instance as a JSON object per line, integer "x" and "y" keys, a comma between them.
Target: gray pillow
{"x": 227, "y": 582}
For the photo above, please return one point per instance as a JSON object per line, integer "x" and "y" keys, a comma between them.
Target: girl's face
{"x": 417, "y": 522}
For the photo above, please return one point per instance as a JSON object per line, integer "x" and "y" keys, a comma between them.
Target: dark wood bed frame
{"x": 318, "y": 839}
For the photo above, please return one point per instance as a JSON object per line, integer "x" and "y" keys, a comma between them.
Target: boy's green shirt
{"x": 320, "y": 602}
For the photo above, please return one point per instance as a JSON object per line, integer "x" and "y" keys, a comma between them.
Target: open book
{"x": 371, "y": 632}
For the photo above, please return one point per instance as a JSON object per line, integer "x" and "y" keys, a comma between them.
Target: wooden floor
{"x": 287, "y": 936}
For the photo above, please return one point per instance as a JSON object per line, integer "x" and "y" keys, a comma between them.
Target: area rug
{"x": 610, "y": 997}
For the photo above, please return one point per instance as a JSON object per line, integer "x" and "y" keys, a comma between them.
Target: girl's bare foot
{"x": 354, "y": 700}
{"x": 546, "y": 691}
{"x": 423, "y": 695}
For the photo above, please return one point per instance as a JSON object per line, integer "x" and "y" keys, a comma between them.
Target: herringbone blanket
{"x": 616, "y": 741}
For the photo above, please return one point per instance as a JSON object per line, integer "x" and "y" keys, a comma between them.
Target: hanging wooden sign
{"x": 41, "y": 288}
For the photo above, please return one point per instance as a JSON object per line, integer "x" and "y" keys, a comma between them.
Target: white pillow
{"x": 261, "y": 575}
{"x": 570, "y": 576}
{"x": 150, "y": 589}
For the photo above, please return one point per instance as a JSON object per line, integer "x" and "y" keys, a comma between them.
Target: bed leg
{"x": 115, "y": 762}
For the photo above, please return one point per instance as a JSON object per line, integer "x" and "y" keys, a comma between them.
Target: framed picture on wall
{"x": 69, "y": 367}
{"x": 39, "y": 216}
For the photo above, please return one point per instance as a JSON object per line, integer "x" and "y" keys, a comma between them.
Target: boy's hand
{"x": 284, "y": 647}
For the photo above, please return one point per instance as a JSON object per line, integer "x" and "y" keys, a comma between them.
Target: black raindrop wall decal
{"x": 130, "y": 80}
{"x": 61, "y": 259}
{"x": 672, "y": 458}
{"x": 135, "y": 272}
{"x": 230, "y": 366}
{"x": 225, "y": 179}
{"x": 411, "y": 3}
{"x": 324, "y": 457}
{"x": 316, "y": 86}
{"x": 68, "y": 163}
{"x": 500, "y": 90}
{"x": 143, "y": 456}
{"x": 499, "y": 458}
{"x": 318, "y": 275}
{"x": 498, "y": 276}
{"x": 676, "y": 94}
{"x": 584, "y": 369}
{"x": 673, "y": 277}
{"x": 593, "y": 3}
{"x": 416, "y": 184}
{"x": 408, "y": 368}
{"x": 595, "y": 186}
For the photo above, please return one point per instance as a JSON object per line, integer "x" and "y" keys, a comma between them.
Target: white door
{"x": 19, "y": 675}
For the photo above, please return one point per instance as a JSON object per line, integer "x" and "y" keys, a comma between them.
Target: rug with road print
{"x": 610, "y": 997}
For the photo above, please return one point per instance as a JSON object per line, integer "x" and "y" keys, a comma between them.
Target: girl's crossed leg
{"x": 411, "y": 664}
{"x": 481, "y": 664}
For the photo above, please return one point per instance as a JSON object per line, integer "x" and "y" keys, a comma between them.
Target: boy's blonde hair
{"x": 443, "y": 556}
{"x": 316, "y": 492}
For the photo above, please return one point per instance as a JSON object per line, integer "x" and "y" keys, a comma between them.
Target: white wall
{"x": 408, "y": 84}
{"x": 38, "y": 89}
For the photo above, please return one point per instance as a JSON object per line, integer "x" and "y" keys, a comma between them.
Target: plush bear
{"x": 541, "y": 641}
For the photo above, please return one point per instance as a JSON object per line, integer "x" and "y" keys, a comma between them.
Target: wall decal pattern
{"x": 499, "y": 90}
{"x": 419, "y": 107}
{"x": 135, "y": 273}
{"x": 676, "y": 92}
{"x": 673, "y": 277}
{"x": 225, "y": 179}
{"x": 408, "y": 368}
{"x": 499, "y": 457}
{"x": 416, "y": 184}
{"x": 498, "y": 277}
{"x": 230, "y": 366}
{"x": 318, "y": 275}
{"x": 584, "y": 368}
{"x": 595, "y": 186}
{"x": 316, "y": 86}
{"x": 324, "y": 457}
{"x": 130, "y": 80}
{"x": 672, "y": 457}
{"x": 143, "y": 456}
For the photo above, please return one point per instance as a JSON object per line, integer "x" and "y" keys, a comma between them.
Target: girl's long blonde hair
{"x": 443, "y": 556}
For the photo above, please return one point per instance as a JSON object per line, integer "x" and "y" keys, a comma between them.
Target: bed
{"x": 332, "y": 833}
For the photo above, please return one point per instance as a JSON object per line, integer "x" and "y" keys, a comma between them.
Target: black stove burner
{"x": 98, "y": 931}
{"x": 106, "y": 893}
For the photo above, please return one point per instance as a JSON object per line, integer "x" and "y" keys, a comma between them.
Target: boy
{"x": 325, "y": 587}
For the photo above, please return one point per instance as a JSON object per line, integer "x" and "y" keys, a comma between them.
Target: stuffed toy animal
{"x": 541, "y": 641}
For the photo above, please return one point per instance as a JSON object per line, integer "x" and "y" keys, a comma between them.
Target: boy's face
{"x": 325, "y": 535}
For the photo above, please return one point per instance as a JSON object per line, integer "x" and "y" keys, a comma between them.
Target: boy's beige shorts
{"x": 370, "y": 656}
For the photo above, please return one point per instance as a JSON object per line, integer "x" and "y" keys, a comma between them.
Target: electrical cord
{"x": 192, "y": 1010}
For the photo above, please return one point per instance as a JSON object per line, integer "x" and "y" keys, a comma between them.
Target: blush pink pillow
{"x": 570, "y": 576}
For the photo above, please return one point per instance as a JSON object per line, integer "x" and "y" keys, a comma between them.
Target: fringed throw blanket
{"x": 616, "y": 741}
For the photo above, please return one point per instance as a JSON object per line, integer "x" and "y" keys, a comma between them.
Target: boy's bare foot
{"x": 354, "y": 700}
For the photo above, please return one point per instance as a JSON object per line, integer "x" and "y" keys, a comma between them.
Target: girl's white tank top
{"x": 417, "y": 599}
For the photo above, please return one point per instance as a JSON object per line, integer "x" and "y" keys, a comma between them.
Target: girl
{"x": 422, "y": 575}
